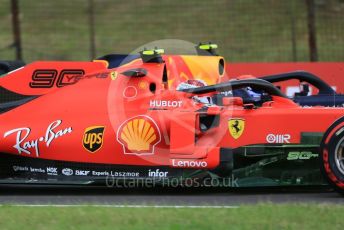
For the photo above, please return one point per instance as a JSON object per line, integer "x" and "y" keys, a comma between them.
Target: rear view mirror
{"x": 228, "y": 101}
{"x": 249, "y": 106}
{"x": 138, "y": 72}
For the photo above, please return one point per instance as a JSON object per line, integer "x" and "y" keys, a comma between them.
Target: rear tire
{"x": 332, "y": 156}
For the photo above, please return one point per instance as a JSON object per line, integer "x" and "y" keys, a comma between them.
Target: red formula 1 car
{"x": 161, "y": 117}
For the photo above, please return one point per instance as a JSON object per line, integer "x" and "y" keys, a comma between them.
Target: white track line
{"x": 118, "y": 206}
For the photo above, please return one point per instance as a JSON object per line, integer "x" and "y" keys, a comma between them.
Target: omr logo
{"x": 93, "y": 138}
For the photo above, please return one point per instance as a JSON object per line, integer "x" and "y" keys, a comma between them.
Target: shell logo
{"x": 139, "y": 135}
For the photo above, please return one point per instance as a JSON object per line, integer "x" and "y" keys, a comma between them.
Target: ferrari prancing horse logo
{"x": 236, "y": 127}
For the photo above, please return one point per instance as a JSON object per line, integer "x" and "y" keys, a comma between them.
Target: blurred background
{"x": 245, "y": 30}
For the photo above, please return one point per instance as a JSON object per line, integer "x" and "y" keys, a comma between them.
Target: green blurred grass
{"x": 246, "y": 30}
{"x": 262, "y": 216}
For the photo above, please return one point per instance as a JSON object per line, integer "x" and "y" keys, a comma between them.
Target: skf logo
{"x": 93, "y": 138}
{"x": 236, "y": 127}
{"x": 139, "y": 135}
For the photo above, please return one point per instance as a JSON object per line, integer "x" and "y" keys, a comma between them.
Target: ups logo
{"x": 93, "y": 138}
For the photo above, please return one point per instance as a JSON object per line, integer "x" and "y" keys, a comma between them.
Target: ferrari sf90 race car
{"x": 163, "y": 118}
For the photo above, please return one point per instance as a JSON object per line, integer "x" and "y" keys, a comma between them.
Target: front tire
{"x": 332, "y": 156}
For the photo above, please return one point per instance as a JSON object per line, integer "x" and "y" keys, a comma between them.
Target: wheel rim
{"x": 339, "y": 156}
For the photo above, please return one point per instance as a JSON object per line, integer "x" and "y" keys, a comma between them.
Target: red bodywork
{"x": 104, "y": 116}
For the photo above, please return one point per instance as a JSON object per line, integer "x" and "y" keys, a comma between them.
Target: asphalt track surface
{"x": 58, "y": 195}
